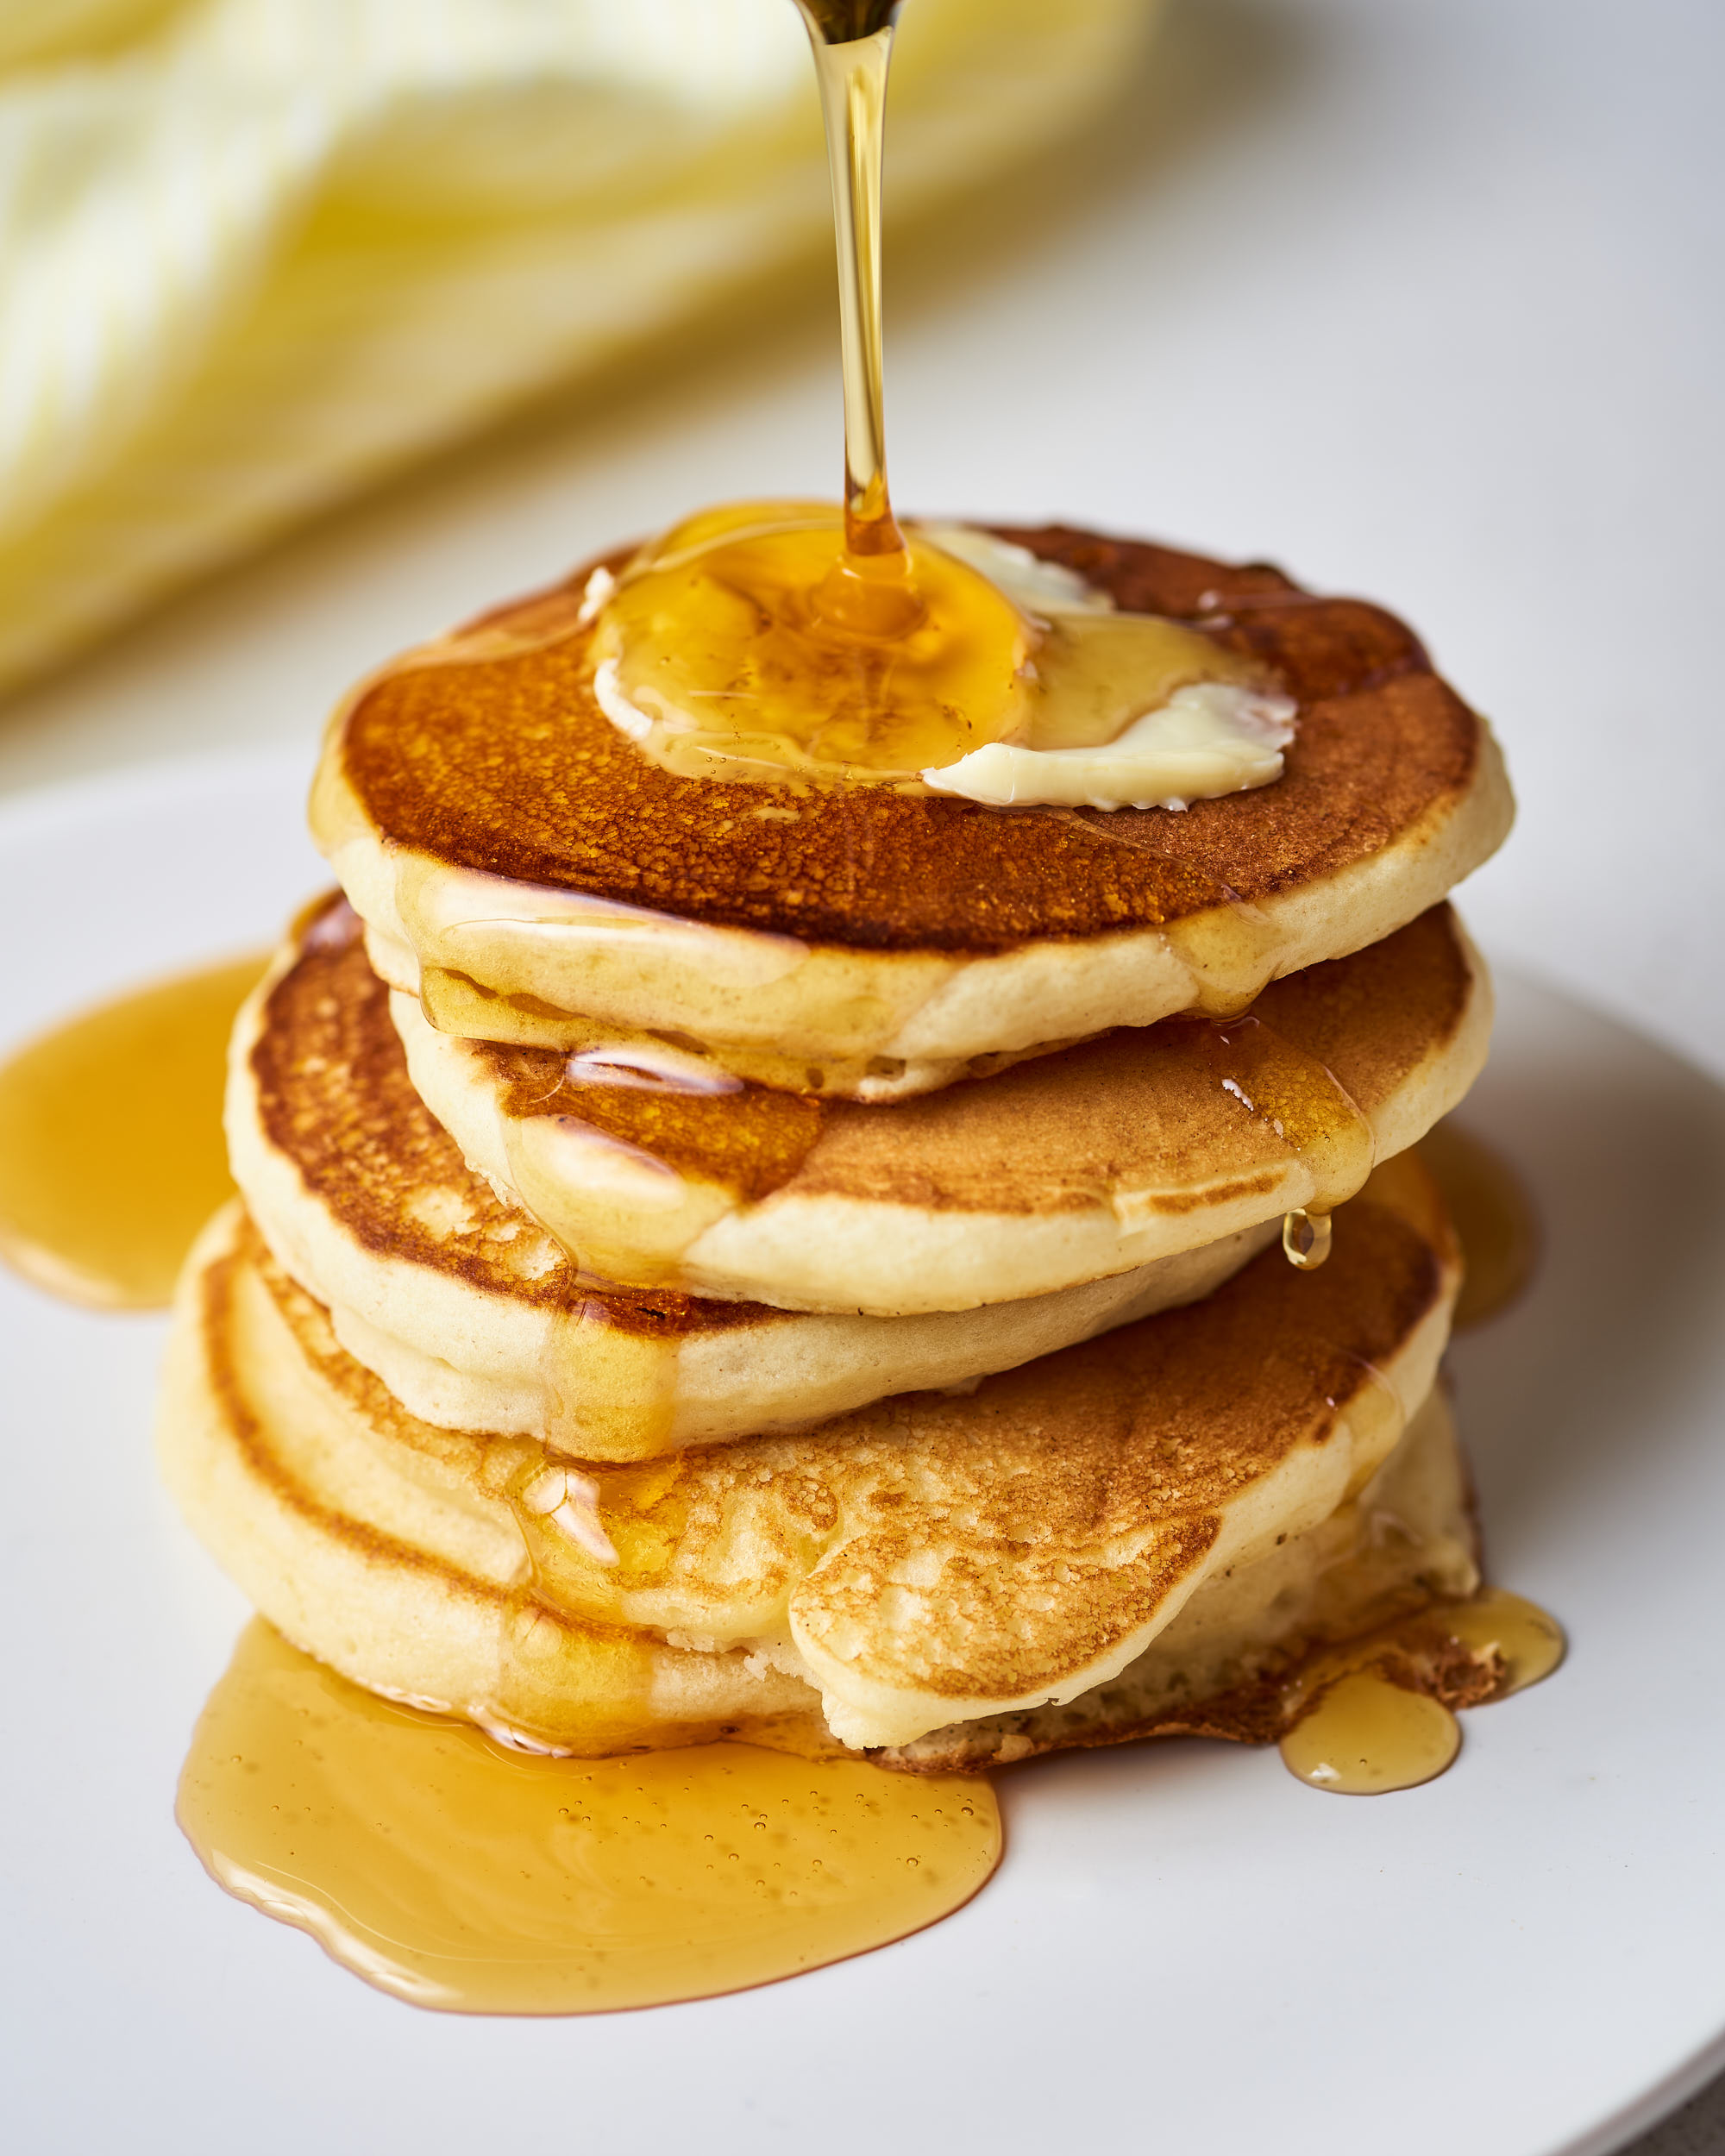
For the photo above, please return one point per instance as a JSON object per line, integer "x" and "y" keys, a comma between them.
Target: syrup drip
{"x": 454, "y": 1873}
{"x": 870, "y": 590}
{"x": 111, "y": 1156}
{"x": 1367, "y": 1736}
{"x": 628, "y": 1158}
{"x": 1306, "y": 1238}
{"x": 784, "y": 641}
{"x": 1364, "y": 1734}
{"x": 1527, "y": 1641}
{"x": 1305, "y": 1104}
{"x": 1494, "y": 1220}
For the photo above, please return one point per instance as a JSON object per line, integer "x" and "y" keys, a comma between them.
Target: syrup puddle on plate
{"x": 455, "y": 1873}
{"x": 1365, "y": 1734}
{"x": 111, "y": 1154}
{"x": 1494, "y": 1218}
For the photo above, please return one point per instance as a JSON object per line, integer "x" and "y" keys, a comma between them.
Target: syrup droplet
{"x": 1305, "y": 1239}
{"x": 454, "y": 1873}
{"x": 111, "y": 1154}
{"x": 1366, "y": 1736}
{"x": 1358, "y": 1731}
{"x": 1527, "y": 1639}
{"x": 1493, "y": 1220}
{"x": 1298, "y": 1098}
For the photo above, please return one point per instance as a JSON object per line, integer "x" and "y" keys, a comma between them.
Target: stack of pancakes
{"x": 726, "y": 1260}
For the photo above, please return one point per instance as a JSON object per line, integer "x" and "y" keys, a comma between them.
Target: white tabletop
{"x": 1419, "y": 298}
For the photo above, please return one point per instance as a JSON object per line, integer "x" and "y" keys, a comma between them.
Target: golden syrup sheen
{"x": 1363, "y": 1733}
{"x": 454, "y": 1873}
{"x": 796, "y": 641}
{"x": 711, "y": 653}
{"x": 1306, "y": 1238}
{"x": 871, "y": 588}
{"x": 112, "y": 1153}
{"x": 704, "y": 1142}
{"x": 678, "y": 1144}
{"x": 719, "y": 644}
{"x": 1300, "y": 1098}
{"x": 1493, "y": 1220}
{"x": 1366, "y": 1736}
{"x": 1527, "y": 1640}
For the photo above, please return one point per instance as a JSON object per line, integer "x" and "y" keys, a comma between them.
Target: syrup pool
{"x": 455, "y": 1873}
{"x": 112, "y": 1153}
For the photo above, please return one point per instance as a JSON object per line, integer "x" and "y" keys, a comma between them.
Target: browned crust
{"x": 1039, "y": 1138}
{"x": 1170, "y": 1412}
{"x": 1166, "y": 1417}
{"x": 506, "y": 765}
{"x": 215, "y": 1323}
{"x": 1148, "y": 1101}
{"x": 1419, "y": 1654}
{"x": 334, "y": 1097}
{"x": 245, "y": 1428}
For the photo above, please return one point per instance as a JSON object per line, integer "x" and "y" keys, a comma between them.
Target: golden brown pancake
{"x": 870, "y": 938}
{"x": 435, "y": 1611}
{"x": 476, "y": 1319}
{"x": 385, "y": 1547}
{"x": 929, "y": 1561}
{"x": 507, "y": 767}
{"x": 1227, "y": 1666}
{"x": 1074, "y": 1166}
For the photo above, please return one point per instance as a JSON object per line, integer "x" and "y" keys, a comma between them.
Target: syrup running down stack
{"x": 837, "y": 1185}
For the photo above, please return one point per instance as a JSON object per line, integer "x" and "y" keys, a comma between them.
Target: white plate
{"x": 1184, "y": 1949}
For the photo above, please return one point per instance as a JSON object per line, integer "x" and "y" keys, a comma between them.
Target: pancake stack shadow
{"x": 720, "y": 1261}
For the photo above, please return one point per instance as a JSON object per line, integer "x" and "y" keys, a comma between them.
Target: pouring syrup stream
{"x": 870, "y": 590}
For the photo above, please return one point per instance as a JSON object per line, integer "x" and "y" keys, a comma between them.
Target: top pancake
{"x": 481, "y": 770}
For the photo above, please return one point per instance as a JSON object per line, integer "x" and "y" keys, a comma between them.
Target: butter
{"x": 1209, "y": 738}
{"x": 1019, "y": 683}
{"x": 1086, "y": 739}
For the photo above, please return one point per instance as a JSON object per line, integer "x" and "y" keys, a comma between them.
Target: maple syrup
{"x": 1299, "y": 1100}
{"x": 112, "y": 1153}
{"x": 1357, "y": 1731}
{"x": 794, "y": 640}
{"x": 870, "y": 590}
{"x": 1306, "y": 1238}
{"x": 455, "y": 1873}
{"x": 714, "y": 654}
{"x": 817, "y": 644}
{"x": 629, "y": 1154}
{"x": 1528, "y": 1641}
{"x": 1493, "y": 1220}
{"x": 1367, "y": 1736}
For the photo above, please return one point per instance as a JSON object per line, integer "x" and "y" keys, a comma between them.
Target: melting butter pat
{"x": 1209, "y": 738}
{"x": 1020, "y": 682}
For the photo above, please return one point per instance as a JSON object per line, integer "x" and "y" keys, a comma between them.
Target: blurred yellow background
{"x": 261, "y": 251}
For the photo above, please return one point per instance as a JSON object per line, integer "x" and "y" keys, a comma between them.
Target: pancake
{"x": 529, "y": 873}
{"x": 397, "y": 1563}
{"x": 477, "y": 1319}
{"x": 931, "y": 1561}
{"x": 1077, "y": 1166}
{"x": 1224, "y": 1666}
